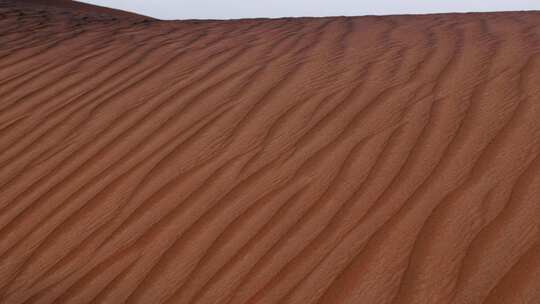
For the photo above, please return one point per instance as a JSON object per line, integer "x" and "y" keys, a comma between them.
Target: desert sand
{"x": 389, "y": 160}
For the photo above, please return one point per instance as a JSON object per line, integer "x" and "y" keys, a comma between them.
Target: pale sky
{"x": 234, "y": 9}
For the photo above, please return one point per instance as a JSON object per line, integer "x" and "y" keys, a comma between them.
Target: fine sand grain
{"x": 388, "y": 160}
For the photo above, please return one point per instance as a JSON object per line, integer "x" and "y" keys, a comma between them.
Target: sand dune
{"x": 312, "y": 160}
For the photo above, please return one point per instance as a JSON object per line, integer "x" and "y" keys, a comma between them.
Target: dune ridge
{"x": 366, "y": 159}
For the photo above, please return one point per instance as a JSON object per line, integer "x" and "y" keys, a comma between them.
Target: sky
{"x": 235, "y": 9}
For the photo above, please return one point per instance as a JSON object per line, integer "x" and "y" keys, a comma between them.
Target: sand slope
{"x": 329, "y": 160}
{"x": 70, "y": 7}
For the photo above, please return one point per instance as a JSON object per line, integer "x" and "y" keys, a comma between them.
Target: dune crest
{"x": 300, "y": 160}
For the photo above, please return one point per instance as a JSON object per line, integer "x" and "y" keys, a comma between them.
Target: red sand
{"x": 314, "y": 160}
{"x": 71, "y": 7}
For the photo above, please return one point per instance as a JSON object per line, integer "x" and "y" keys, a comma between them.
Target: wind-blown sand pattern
{"x": 313, "y": 160}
